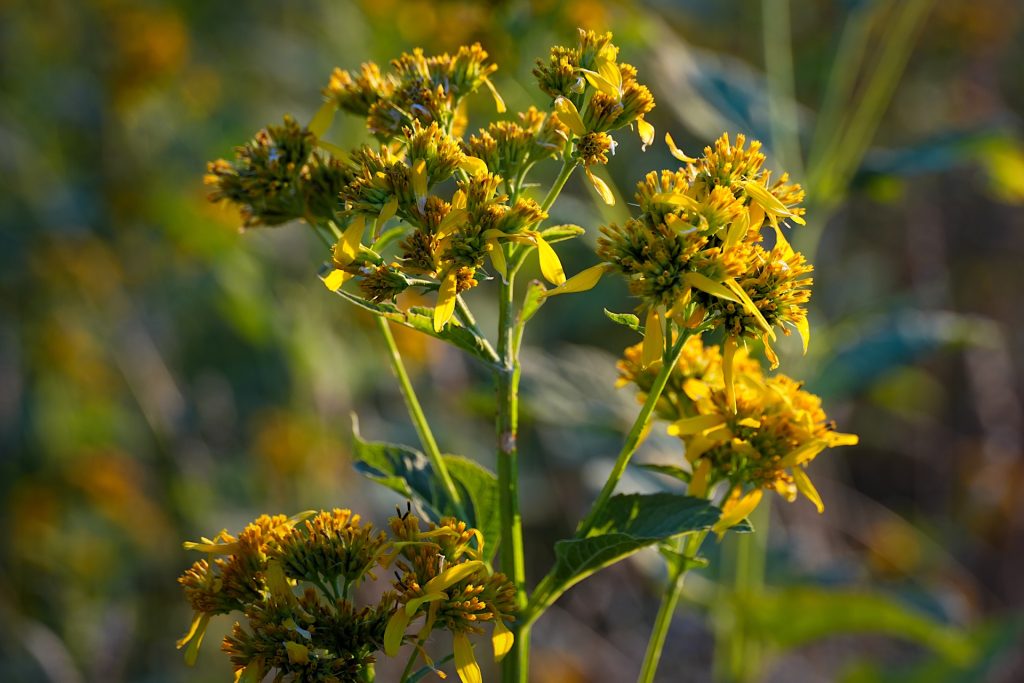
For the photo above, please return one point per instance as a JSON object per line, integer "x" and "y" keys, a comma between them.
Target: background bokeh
{"x": 163, "y": 376}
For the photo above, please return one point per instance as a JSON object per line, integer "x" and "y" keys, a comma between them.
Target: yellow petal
{"x": 388, "y": 212}
{"x": 336, "y": 278}
{"x": 297, "y": 652}
{"x": 804, "y": 330}
{"x": 461, "y": 119}
{"x": 602, "y": 83}
{"x": 698, "y": 487}
{"x": 323, "y": 118}
{"x": 419, "y": 178}
{"x": 840, "y": 439}
{"x": 803, "y": 454}
{"x": 706, "y": 284}
{"x": 570, "y": 115}
{"x": 473, "y": 165}
{"x": 207, "y": 546}
{"x": 769, "y": 353}
{"x": 728, "y": 363}
{"x": 446, "y": 296}
{"x": 751, "y": 422}
{"x": 735, "y": 510}
{"x": 550, "y": 266}
{"x": 580, "y": 282}
{"x": 465, "y": 661}
{"x": 454, "y": 218}
{"x": 336, "y": 151}
{"x": 499, "y": 104}
{"x": 497, "y": 255}
{"x": 416, "y": 603}
{"x": 804, "y": 485}
{"x": 676, "y": 199}
{"x": 276, "y": 580}
{"x": 676, "y": 152}
{"x": 749, "y": 306}
{"x": 348, "y": 246}
{"x": 602, "y": 188}
{"x": 394, "y": 632}
{"x": 645, "y": 131}
{"x": 696, "y": 389}
{"x": 769, "y": 202}
{"x": 695, "y": 425}
{"x": 654, "y": 339}
{"x": 737, "y": 230}
{"x": 453, "y": 575}
{"x": 501, "y": 639}
{"x": 781, "y": 242}
{"x": 459, "y": 199}
{"x": 195, "y": 638}
{"x": 697, "y": 446}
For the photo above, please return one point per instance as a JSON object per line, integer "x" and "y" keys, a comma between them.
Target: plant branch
{"x": 419, "y": 420}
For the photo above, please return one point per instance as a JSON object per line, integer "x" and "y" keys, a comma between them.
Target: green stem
{"x": 748, "y": 552}
{"x": 419, "y": 420}
{"x": 515, "y": 665}
{"x": 688, "y": 546}
{"x": 413, "y": 656}
{"x": 637, "y": 431}
{"x": 569, "y": 165}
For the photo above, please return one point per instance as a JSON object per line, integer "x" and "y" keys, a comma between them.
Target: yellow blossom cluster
{"x": 293, "y": 579}
{"x": 765, "y": 442}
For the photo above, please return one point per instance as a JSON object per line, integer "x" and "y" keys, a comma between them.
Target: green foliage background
{"x": 162, "y": 377}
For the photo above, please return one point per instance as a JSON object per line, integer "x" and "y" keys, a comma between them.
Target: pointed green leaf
{"x": 560, "y": 233}
{"x": 627, "y": 319}
{"x": 673, "y": 471}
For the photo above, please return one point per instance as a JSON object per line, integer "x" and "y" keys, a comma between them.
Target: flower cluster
{"x": 594, "y": 95}
{"x": 293, "y": 580}
{"x": 766, "y": 442}
{"x": 695, "y": 252}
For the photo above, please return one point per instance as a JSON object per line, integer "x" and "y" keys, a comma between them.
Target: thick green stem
{"x": 419, "y": 420}
{"x": 740, "y": 655}
{"x": 514, "y": 667}
{"x": 635, "y": 435}
{"x": 688, "y": 546}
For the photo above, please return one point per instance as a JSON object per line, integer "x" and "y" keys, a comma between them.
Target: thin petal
{"x": 676, "y": 199}
{"x": 323, "y": 118}
{"x": 601, "y": 83}
{"x": 646, "y": 132}
{"x": 497, "y": 254}
{"x": 570, "y": 115}
{"x": 347, "y": 248}
{"x": 698, "y": 487}
{"x": 841, "y": 439}
{"x": 416, "y": 603}
{"x": 455, "y": 218}
{"x": 465, "y": 661}
{"x": 419, "y": 178}
{"x": 750, "y": 306}
{"x": 580, "y": 282}
{"x": 388, "y": 212}
{"x": 446, "y": 295}
{"x": 706, "y": 284}
{"x": 394, "y": 632}
{"x": 737, "y": 230}
{"x": 453, "y": 575}
{"x": 804, "y": 330}
{"x": 696, "y": 389}
{"x": 336, "y": 151}
{"x": 550, "y": 266}
{"x": 473, "y": 165}
{"x": 804, "y": 485}
{"x": 676, "y": 152}
{"x": 499, "y": 103}
{"x": 689, "y": 426}
{"x": 336, "y": 278}
{"x": 192, "y": 650}
{"x": 501, "y": 639}
{"x": 654, "y": 339}
{"x": 602, "y": 188}
{"x": 803, "y": 454}
{"x": 736, "y": 511}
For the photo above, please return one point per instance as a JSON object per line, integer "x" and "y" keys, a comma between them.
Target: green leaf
{"x": 673, "y": 471}
{"x": 560, "y": 233}
{"x": 409, "y": 473}
{"x": 630, "y": 522}
{"x": 479, "y": 486}
{"x": 387, "y": 237}
{"x": 532, "y": 302}
{"x": 627, "y": 319}
{"x": 421, "y": 319}
{"x": 796, "y": 616}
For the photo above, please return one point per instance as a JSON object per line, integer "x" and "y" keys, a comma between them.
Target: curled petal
{"x": 695, "y": 425}
{"x": 499, "y": 103}
{"x": 698, "y": 487}
{"x": 602, "y": 188}
{"x": 497, "y": 254}
{"x": 804, "y": 330}
{"x": 750, "y": 306}
{"x": 446, "y": 295}
{"x": 336, "y": 278}
{"x": 501, "y": 639}
{"x": 654, "y": 339}
{"x": 676, "y": 152}
{"x": 804, "y": 485}
{"x": 550, "y": 266}
{"x": 736, "y": 509}
{"x": 416, "y": 603}
{"x": 348, "y": 246}
{"x": 646, "y": 132}
{"x": 473, "y": 165}
{"x": 706, "y": 284}
{"x": 323, "y": 118}
{"x": 419, "y": 178}
{"x": 394, "y": 632}
{"x": 581, "y": 281}
{"x": 388, "y": 212}
{"x": 728, "y": 366}
{"x": 453, "y": 575}
{"x": 570, "y": 115}
{"x": 465, "y": 661}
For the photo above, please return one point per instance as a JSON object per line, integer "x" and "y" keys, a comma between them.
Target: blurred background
{"x": 163, "y": 376}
